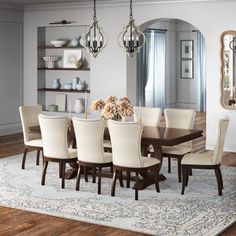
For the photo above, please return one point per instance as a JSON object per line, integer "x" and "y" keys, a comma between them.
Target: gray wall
{"x": 11, "y": 67}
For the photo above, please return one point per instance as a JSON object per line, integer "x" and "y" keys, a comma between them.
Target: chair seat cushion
{"x": 72, "y": 153}
{"x": 176, "y": 150}
{"x": 107, "y": 144}
{"x": 149, "y": 161}
{"x": 197, "y": 159}
{"x": 35, "y": 143}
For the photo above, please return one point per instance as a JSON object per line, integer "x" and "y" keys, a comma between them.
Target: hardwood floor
{"x": 22, "y": 223}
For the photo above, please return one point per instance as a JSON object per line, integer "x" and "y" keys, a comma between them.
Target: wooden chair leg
{"x": 85, "y": 174}
{"x": 78, "y": 179}
{"x": 94, "y": 175}
{"x": 24, "y": 157}
{"x": 136, "y": 189}
{"x": 187, "y": 177}
{"x": 184, "y": 172}
{"x": 60, "y": 170}
{"x": 37, "y": 157}
{"x": 99, "y": 179}
{"x": 190, "y": 171}
{"x": 218, "y": 181}
{"x": 169, "y": 164}
{"x": 113, "y": 186}
{"x": 221, "y": 179}
{"x": 128, "y": 179}
{"x": 121, "y": 178}
{"x": 111, "y": 169}
{"x": 44, "y": 173}
{"x": 156, "y": 171}
{"x": 179, "y": 169}
{"x": 63, "y": 167}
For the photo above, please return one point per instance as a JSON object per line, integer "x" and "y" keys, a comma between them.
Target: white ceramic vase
{"x": 79, "y": 105}
{"x": 56, "y": 84}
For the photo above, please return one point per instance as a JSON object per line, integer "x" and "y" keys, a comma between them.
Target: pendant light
{"x": 94, "y": 39}
{"x": 131, "y": 39}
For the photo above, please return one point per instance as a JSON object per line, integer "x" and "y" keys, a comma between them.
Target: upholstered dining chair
{"x": 55, "y": 145}
{"x": 126, "y": 152}
{"x": 89, "y": 140}
{"x": 179, "y": 119}
{"x": 207, "y": 160}
{"x": 32, "y": 141}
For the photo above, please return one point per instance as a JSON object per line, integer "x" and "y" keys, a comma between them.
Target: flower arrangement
{"x": 113, "y": 108}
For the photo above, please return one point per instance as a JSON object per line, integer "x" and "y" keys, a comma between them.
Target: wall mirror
{"x": 228, "y": 69}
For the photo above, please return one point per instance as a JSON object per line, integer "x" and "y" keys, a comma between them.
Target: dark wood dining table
{"x": 155, "y": 136}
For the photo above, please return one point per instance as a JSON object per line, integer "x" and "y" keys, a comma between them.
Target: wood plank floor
{"x": 22, "y": 223}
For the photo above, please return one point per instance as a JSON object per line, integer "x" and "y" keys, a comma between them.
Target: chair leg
{"x": 78, "y": 179}
{"x": 136, "y": 189}
{"x": 60, "y": 169}
{"x": 113, "y": 183}
{"x": 156, "y": 171}
{"x": 121, "y": 179}
{"x": 169, "y": 164}
{"x": 24, "y": 157}
{"x": 63, "y": 167}
{"x": 111, "y": 169}
{"x": 190, "y": 171}
{"x": 179, "y": 169}
{"x": 44, "y": 173}
{"x": 85, "y": 174}
{"x": 37, "y": 157}
{"x": 187, "y": 176}
{"x": 128, "y": 179}
{"x": 184, "y": 172}
{"x": 99, "y": 179}
{"x": 218, "y": 181}
{"x": 221, "y": 179}
{"x": 94, "y": 175}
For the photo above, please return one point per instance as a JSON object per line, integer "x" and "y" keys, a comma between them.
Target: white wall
{"x": 108, "y": 73}
{"x": 11, "y": 69}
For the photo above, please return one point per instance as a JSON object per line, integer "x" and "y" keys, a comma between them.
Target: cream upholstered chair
{"x": 179, "y": 119}
{"x": 148, "y": 116}
{"x": 55, "y": 145}
{"x": 89, "y": 140}
{"x": 32, "y": 141}
{"x": 126, "y": 152}
{"x": 207, "y": 160}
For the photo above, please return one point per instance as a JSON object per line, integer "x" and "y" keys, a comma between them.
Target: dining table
{"x": 155, "y": 136}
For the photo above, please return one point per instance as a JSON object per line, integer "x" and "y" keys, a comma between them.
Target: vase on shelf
{"x": 74, "y": 82}
{"x": 56, "y": 84}
{"x": 79, "y": 105}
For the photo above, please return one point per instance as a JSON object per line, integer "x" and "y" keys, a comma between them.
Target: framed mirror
{"x": 228, "y": 69}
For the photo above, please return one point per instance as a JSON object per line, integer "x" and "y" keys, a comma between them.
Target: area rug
{"x": 199, "y": 212}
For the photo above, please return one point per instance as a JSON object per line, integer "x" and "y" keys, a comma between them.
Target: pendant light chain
{"x": 131, "y": 10}
{"x": 94, "y": 11}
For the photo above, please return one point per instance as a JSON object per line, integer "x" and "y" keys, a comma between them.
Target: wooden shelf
{"x": 63, "y": 47}
{"x": 68, "y": 69}
{"x": 63, "y": 90}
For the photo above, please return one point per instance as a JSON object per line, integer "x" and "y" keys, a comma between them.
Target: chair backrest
{"x": 89, "y": 139}
{"x": 148, "y": 116}
{"x": 54, "y": 136}
{"x": 180, "y": 119}
{"x": 126, "y": 143}
{"x": 222, "y": 129}
{"x": 29, "y": 117}
{"x": 226, "y": 96}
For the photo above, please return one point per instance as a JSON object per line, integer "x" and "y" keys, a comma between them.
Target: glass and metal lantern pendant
{"x": 232, "y": 44}
{"x": 131, "y": 39}
{"x": 94, "y": 39}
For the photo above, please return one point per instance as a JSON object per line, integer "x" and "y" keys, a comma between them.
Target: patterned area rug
{"x": 199, "y": 212}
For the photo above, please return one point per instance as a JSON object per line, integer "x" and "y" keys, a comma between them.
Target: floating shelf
{"x": 63, "y": 90}
{"x": 64, "y": 47}
{"x": 45, "y": 68}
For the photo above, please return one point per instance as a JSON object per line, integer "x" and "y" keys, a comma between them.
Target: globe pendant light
{"x": 131, "y": 39}
{"x": 94, "y": 39}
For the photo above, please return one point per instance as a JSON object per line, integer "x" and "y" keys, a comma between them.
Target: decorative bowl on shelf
{"x": 80, "y": 86}
{"x": 58, "y": 43}
{"x": 51, "y": 61}
{"x": 68, "y": 86}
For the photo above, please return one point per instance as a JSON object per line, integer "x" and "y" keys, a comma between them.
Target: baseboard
{"x": 227, "y": 147}
{"x": 10, "y": 129}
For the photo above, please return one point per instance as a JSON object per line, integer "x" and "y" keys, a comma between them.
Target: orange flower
{"x": 98, "y": 105}
{"x": 111, "y": 99}
{"x": 109, "y": 110}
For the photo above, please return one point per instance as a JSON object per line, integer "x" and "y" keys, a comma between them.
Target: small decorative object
{"x": 51, "y": 62}
{"x": 79, "y": 105}
{"x": 53, "y": 108}
{"x": 113, "y": 108}
{"x": 56, "y": 84}
{"x": 68, "y": 86}
{"x": 63, "y": 22}
{"x": 80, "y": 63}
{"x": 80, "y": 86}
{"x": 71, "y": 57}
{"x": 186, "y": 69}
{"x": 186, "y": 49}
{"x": 131, "y": 39}
{"x": 94, "y": 38}
{"x": 74, "y": 42}
{"x": 60, "y": 101}
{"x": 74, "y": 82}
{"x": 58, "y": 43}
